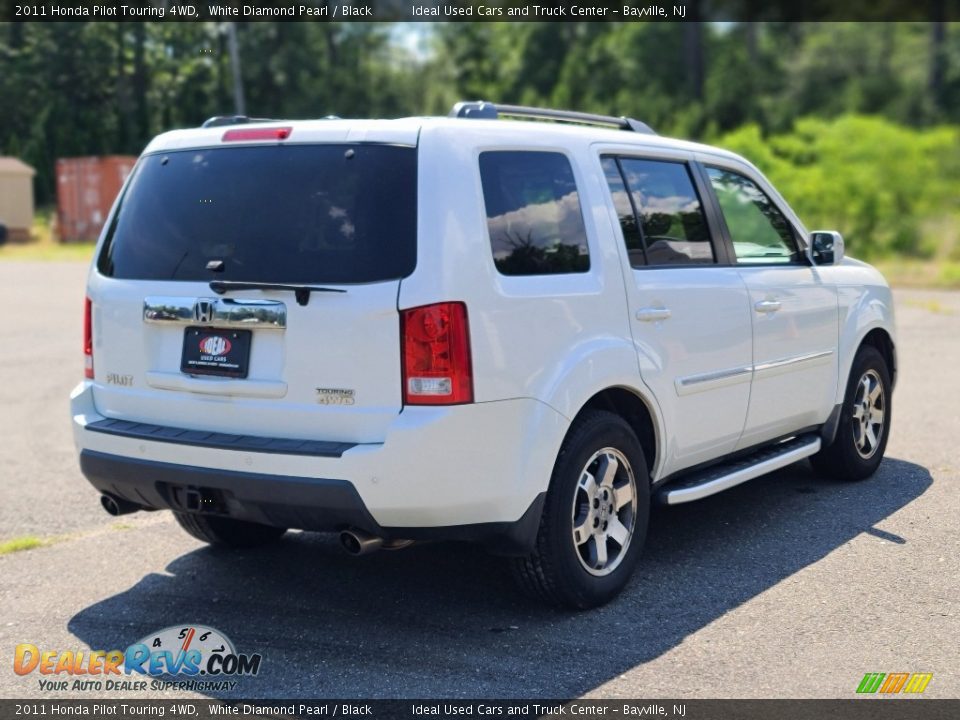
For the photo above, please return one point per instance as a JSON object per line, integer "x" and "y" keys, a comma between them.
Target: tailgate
{"x": 190, "y": 327}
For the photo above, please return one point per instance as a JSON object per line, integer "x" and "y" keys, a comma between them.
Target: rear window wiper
{"x": 300, "y": 292}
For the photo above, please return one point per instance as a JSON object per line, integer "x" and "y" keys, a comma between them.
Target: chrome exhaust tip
{"x": 357, "y": 542}
{"x": 117, "y": 506}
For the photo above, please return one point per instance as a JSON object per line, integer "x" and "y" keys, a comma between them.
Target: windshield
{"x": 279, "y": 213}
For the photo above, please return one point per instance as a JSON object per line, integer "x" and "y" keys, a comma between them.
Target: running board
{"x": 718, "y": 478}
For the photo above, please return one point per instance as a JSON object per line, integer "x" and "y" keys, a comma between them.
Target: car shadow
{"x": 443, "y": 620}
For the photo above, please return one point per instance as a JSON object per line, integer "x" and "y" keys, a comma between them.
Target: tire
{"x": 227, "y": 532}
{"x": 566, "y": 567}
{"x": 860, "y": 442}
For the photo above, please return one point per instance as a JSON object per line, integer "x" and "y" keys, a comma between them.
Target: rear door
{"x": 689, "y": 308}
{"x": 194, "y": 325}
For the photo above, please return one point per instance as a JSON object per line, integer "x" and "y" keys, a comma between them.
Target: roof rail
{"x": 482, "y": 110}
{"x": 220, "y": 120}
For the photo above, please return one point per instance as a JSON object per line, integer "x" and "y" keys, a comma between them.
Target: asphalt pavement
{"x": 787, "y": 586}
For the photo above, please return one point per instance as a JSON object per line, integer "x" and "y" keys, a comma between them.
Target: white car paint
{"x": 715, "y": 374}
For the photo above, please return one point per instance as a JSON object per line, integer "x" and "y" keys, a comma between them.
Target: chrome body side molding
{"x": 712, "y": 380}
{"x": 722, "y": 378}
{"x": 775, "y": 367}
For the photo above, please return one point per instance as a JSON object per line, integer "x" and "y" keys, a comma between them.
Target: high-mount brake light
{"x": 273, "y": 133}
{"x": 436, "y": 355}
{"x": 87, "y": 339}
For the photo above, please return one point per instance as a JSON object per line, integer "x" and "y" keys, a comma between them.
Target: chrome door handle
{"x": 653, "y": 314}
{"x": 767, "y": 306}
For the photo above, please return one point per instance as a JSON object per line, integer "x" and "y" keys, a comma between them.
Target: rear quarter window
{"x": 533, "y": 213}
{"x": 281, "y": 213}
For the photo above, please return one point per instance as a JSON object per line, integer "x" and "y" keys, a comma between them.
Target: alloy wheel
{"x": 869, "y": 411}
{"x": 604, "y": 511}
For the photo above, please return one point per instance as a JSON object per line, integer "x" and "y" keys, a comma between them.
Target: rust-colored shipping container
{"x": 86, "y": 189}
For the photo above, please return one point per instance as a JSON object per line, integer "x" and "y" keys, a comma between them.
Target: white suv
{"x": 467, "y": 328}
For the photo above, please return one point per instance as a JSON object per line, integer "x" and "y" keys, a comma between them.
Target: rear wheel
{"x": 864, "y": 426}
{"x": 227, "y": 532}
{"x": 595, "y": 518}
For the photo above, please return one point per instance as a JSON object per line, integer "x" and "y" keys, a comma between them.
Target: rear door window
{"x": 625, "y": 212}
{"x": 280, "y": 213}
{"x": 533, "y": 213}
{"x": 660, "y": 212}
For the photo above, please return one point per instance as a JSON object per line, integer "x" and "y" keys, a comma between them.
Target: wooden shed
{"x": 16, "y": 198}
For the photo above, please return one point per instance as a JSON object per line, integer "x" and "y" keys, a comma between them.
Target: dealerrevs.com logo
{"x": 196, "y": 657}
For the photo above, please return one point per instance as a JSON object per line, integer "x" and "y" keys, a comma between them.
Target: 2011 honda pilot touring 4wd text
{"x": 513, "y": 332}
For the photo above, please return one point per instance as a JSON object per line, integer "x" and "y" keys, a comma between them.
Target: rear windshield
{"x": 283, "y": 213}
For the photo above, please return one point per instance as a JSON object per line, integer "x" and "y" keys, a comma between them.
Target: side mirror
{"x": 827, "y": 247}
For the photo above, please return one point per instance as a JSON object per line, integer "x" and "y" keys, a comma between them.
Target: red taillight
{"x": 87, "y": 339}
{"x": 276, "y": 133}
{"x": 436, "y": 355}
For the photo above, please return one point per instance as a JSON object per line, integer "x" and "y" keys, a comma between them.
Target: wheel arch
{"x": 875, "y": 336}
{"x": 866, "y": 317}
{"x": 604, "y": 373}
{"x": 636, "y": 410}
{"x": 880, "y": 339}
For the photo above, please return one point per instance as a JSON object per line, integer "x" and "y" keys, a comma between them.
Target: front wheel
{"x": 594, "y": 522}
{"x": 864, "y": 426}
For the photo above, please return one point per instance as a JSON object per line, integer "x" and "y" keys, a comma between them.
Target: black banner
{"x": 478, "y": 10}
{"x": 873, "y": 708}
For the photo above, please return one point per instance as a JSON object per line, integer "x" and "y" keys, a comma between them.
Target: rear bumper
{"x": 470, "y": 472}
{"x": 306, "y": 503}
